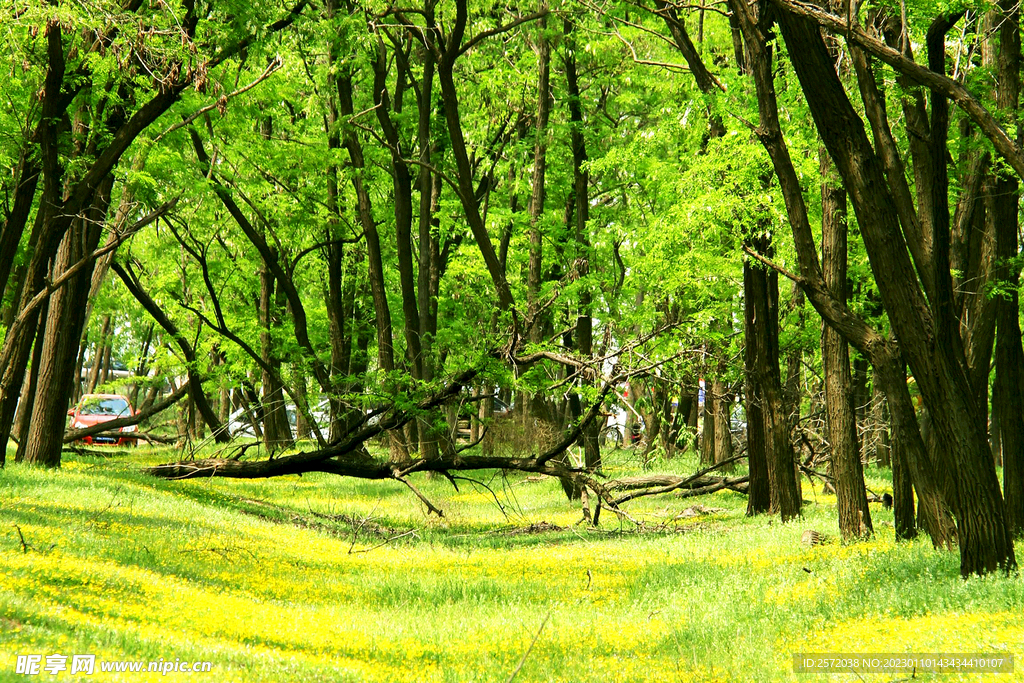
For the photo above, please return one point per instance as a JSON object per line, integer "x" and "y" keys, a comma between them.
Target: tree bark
{"x": 1008, "y": 392}
{"x": 759, "y": 498}
{"x": 723, "y": 434}
{"x": 65, "y": 319}
{"x": 851, "y": 495}
{"x": 581, "y": 199}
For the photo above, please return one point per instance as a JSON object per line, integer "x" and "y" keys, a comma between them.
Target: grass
{"x": 318, "y": 578}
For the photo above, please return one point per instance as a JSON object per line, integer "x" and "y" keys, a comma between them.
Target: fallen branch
{"x": 430, "y": 506}
{"x": 738, "y": 484}
{"x": 665, "y": 480}
{"x": 656, "y": 490}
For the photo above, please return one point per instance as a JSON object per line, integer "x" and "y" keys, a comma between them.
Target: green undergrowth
{"x": 322, "y": 578}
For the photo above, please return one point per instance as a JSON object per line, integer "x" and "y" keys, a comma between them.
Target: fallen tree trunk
{"x": 658, "y": 484}
{"x": 349, "y": 458}
{"x": 667, "y": 480}
{"x": 738, "y": 484}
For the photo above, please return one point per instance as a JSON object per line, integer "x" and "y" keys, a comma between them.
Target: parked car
{"x": 94, "y": 409}
{"x": 240, "y": 426}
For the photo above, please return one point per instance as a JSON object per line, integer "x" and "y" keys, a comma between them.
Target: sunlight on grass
{"x": 320, "y": 578}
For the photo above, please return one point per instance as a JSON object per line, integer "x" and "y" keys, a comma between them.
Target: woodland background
{"x": 387, "y": 216}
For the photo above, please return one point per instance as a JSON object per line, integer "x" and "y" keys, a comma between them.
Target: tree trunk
{"x": 65, "y": 319}
{"x": 903, "y": 495}
{"x": 723, "y": 435}
{"x": 1008, "y": 391}
{"x": 755, "y": 284}
{"x": 851, "y": 496}
{"x": 762, "y": 314}
{"x": 460, "y": 152}
{"x": 23, "y": 420}
{"x": 581, "y": 198}
{"x": 538, "y": 196}
{"x": 708, "y": 424}
{"x": 276, "y": 430}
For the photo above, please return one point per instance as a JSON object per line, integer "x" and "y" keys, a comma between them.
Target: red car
{"x": 96, "y": 408}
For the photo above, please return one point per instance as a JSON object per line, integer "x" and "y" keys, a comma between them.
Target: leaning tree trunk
{"x": 929, "y": 336}
{"x": 23, "y": 420}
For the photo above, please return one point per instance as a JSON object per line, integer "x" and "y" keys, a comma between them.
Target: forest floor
{"x": 319, "y": 578}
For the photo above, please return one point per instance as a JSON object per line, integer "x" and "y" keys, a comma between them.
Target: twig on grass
{"x": 24, "y": 546}
{"x": 529, "y": 649}
{"x": 223, "y": 551}
{"x": 410, "y": 532}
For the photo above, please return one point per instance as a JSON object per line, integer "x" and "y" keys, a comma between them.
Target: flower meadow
{"x": 318, "y": 578}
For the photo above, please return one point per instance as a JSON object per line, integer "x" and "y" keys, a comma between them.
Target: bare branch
{"x": 274, "y": 65}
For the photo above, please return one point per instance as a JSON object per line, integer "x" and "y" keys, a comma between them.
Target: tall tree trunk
{"x": 276, "y": 430}
{"x": 723, "y": 435}
{"x": 538, "y": 196}
{"x": 581, "y": 198}
{"x": 378, "y": 289}
{"x": 765, "y": 385}
{"x": 340, "y": 282}
{"x": 17, "y": 346}
{"x": 851, "y": 496}
{"x": 23, "y": 420}
{"x": 755, "y": 284}
{"x": 1008, "y": 391}
{"x": 464, "y": 168}
{"x": 429, "y": 253}
{"x": 13, "y": 226}
{"x": 64, "y": 323}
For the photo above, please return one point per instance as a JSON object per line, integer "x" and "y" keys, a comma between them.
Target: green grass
{"x": 319, "y": 578}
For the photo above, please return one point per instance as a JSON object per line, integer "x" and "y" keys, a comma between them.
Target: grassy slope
{"x": 283, "y": 580}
